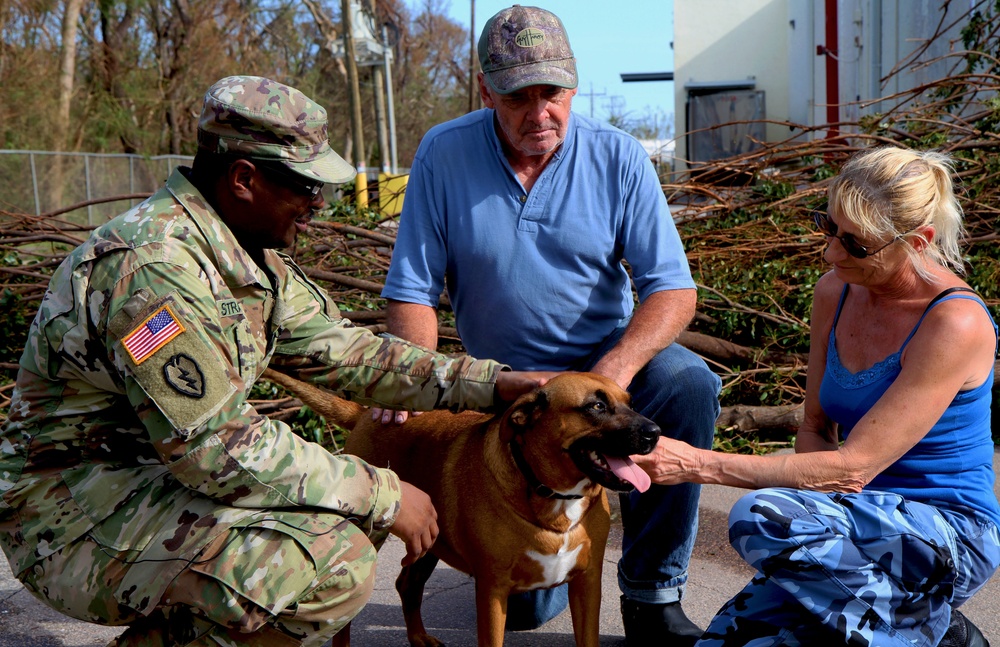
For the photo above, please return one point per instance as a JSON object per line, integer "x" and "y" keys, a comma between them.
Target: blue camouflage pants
{"x": 868, "y": 569}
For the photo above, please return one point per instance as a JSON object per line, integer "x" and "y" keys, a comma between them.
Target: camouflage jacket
{"x": 130, "y": 421}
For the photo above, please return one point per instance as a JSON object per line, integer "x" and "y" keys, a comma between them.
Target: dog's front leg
{"x": 585, "y": 604}
{"x": 410, "y": 585}
{"x": 491, "y": 611}
{"x": 342, "y": 638}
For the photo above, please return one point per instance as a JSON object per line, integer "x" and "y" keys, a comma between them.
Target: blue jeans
{"x": 678, "y": 392}
{"x": 851, "y": 569}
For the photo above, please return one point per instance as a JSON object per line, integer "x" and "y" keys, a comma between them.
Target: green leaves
{"x": 14, "y": 320}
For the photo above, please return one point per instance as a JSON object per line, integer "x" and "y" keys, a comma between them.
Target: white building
{"x": 805, "y": 62}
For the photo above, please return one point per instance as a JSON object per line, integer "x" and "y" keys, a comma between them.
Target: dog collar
{"x": 537, "y": 486}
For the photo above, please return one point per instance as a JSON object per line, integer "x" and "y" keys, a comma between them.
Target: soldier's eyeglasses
{"x": 291, "y": 179}
{"x": 851, "y": 245}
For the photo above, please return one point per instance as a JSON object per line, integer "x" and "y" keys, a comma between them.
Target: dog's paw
{"x": 424, "y": 640}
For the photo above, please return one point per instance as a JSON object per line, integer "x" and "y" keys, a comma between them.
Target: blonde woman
{"x": 884, "y": 520}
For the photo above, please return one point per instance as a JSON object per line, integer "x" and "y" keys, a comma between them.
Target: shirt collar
{"x": 218, "y": 240}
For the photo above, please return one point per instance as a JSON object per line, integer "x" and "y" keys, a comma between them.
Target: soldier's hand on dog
{"x": 513, "y": 384}
{"x": 510, "y": 386}
{"x": 416, "y": 523}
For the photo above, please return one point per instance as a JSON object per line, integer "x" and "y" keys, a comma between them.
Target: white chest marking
{"x": 573, "y": 508}
{"x": 556, "y": 568}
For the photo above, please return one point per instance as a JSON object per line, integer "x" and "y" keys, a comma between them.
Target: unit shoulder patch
{"x": 169, "y": 352}
{"x": 184, "y": 375}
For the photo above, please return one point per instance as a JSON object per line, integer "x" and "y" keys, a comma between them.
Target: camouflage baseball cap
{"x": 523, "y": 46}
{"x": 266, "y": 120}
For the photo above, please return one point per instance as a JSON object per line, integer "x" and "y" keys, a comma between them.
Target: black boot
{"x": 962, "y": 633}
{"x": 657, "y": 624}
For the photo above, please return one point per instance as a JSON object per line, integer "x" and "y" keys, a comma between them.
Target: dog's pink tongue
{"x": 626, "y": 470}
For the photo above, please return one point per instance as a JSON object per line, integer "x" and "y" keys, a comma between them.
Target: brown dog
{"x": 520, "y": 496}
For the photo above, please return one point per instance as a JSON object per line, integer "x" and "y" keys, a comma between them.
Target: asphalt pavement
{"x": 716, "y": 574}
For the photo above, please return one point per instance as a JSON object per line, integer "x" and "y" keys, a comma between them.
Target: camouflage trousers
{"x": 283, "y": 579}
{"x": 865, "y": 570}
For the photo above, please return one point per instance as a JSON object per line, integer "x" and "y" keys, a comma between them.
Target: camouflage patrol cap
{"x": 267, "y": 120}
{"x": 522, "y": 46}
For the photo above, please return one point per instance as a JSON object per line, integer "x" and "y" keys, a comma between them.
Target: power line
{"x": 591, "y": 95}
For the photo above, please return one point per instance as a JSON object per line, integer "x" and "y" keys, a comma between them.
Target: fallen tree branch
{"x": 782, "y": 418}
{"x": 728, "y": 352}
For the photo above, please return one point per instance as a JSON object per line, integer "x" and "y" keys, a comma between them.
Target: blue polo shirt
{"x": 536, "y": 280}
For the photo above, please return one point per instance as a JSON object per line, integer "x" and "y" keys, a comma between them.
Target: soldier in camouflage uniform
{"x": 139, "y": 487}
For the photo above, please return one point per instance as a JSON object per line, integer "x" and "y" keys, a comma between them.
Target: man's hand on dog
{"x": 416, "y": 523}
{"x": 510, "y": 386}
{"x": 390, "y": 415}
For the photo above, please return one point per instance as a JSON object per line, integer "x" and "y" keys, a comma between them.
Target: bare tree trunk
{"x": 329, "y": 32}
{"x": 173, "y": 26}
{"x": 331, "y": 37}
{"x": 115, "y": 31}
{"x": 348, "y": 146}
{"x": 67, "y": 67}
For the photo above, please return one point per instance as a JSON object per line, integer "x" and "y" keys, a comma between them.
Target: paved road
{"x": 449, "y": 613}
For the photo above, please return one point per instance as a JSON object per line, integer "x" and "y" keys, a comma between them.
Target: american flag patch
{"x": 159, "y": 328}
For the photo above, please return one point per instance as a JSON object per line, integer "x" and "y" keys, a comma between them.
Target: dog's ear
{"x": 523, "y": 413}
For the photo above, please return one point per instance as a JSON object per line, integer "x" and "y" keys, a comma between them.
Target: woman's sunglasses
{"x": 850, "y": 243}
{"x": 293, "y": 180}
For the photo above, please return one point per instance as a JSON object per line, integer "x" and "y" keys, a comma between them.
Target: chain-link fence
{"x": 38, "y": 182}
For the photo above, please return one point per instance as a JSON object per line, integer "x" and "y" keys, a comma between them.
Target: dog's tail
{"x": 335, "y": 410}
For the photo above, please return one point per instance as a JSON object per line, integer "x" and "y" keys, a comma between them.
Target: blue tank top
{"x": 952, "y": 464}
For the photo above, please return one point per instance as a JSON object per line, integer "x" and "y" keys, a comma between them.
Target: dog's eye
{"x": 598, "y": 407}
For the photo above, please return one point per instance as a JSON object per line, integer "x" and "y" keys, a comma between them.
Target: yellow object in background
{"x": 391, "y": 189}
{"x": 361, "y": 188}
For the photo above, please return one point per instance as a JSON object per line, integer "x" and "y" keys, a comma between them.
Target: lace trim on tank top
{"x": 863, "y": 377}
{"x": 887, "y": 366}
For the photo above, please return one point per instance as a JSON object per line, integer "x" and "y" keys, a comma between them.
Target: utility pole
{"x": 378, "y": 81}
{"x": 358, "y": 140}
{"x": 473, "y": 86}
{"x": 592, "y": 94}
{"x": 390, "y": 110}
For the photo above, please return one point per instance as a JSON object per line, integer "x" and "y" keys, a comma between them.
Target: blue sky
{"x": 608, "y": 38}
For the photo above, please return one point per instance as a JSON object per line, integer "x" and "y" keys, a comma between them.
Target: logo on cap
{"x": 529, "y": 37}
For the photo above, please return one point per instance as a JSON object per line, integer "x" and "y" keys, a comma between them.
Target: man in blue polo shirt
{"x": 526, "y": 213}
